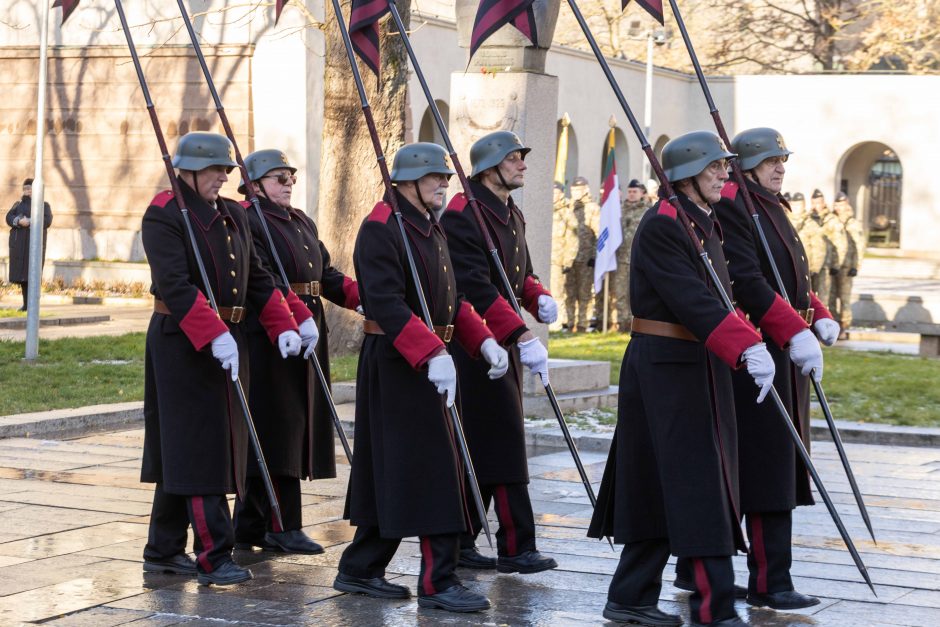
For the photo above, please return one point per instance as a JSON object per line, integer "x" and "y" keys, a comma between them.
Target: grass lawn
{"x": 75, "y": 372}
{"x": 863, "y": 386}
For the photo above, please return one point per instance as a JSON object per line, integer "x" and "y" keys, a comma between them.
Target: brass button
{"x": 517, "y": 268}
{"x": 231, "y": 255}
{"x": 233, "y": 273}
{"x": 445, "y": 268}
{"x": 228, "y": 238}
{"x": 514, "y": 231}
{"x": 310, "y": 263}
{"x": 517, "y": 249}
{"x": 306, "y": 247}
{"x": 450, "y": 308}
{"x": 234, "y": 290}
{"x": 298, "y": 230}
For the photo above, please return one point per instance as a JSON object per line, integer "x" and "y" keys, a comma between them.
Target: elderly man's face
{"x": 27, "y": 190}
{"x": 278, "y": 186}
{"x": 209, "y": 181}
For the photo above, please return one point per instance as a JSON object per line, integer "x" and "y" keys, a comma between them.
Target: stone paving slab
{"x": 71, "y": 544}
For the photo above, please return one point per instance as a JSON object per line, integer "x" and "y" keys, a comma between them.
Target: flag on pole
{"x": 561, "y": 157}
{"x": 494, "y": 14}
{"x": 364, "y": 31}
{"x": 278, "y": 7}
{"x": 67, "y": 7}
{"x": 610, "y": 235}
{"x": 653, "y": 7}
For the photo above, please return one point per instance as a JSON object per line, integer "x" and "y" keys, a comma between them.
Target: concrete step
{"x": 570, "y": 375}
{"x": 907, "y": 267}
{"x": 538, "y": 405}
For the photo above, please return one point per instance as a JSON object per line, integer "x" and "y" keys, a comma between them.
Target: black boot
{"x": 786, "y": 600}
{"x": 377, "y": 587}
{"x": 179, "y": 564}
{"x": 455, "y": 599}
{"x": 525, "y": 563}
{"x": 294, "y": 541}
{"x": 472, "y": 558}
{"x": 225, "y": 575}
{"x": 643, "y": 614}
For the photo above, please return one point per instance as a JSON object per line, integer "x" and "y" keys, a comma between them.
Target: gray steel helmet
{"x": 756, "y": 144}
{"x": 260, "y": 162}
{"x": 688, "y": 155}
{"x": 490, "y": 150}
{"x": 413, "y": 161}
{"x": 196, "y": 151}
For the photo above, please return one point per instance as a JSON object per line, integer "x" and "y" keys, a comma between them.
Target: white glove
{"x": 548, "y": 309}
{"x": 443, "y": 375}
{"x": 806, "y": 354}
{"x": 760, "y": 365}
{"x": 496, "y": 356}
{"x": 360, "y": 310}
{"x": 289, "y": 343}
{"x": 309, "y": 334}
{"x": 534, "y": 356}
{"x": 225, "y": 350}
{"x": 828, "y": 330}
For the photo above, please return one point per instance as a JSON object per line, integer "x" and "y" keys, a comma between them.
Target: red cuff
{"x": 351, "y": 293}
{"x": 781, "y": 322}
{"x": 502, "y": 319}
{"x": 298, "y": 309}
{"x": 731, "y": 338}
{"x": 819, "y": 310}
{"x": 276, "y": 316}
{"x": 532, "y": 288}
{"x": 201, "y": 324}
{"x": 470, "y": 329}
{"x": 416, "y": 343}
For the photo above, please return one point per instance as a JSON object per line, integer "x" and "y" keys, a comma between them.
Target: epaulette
{"x": 458, "y": 202}
{"x": 730, "y": 190}
{"x": 380, "y": 212}
{"x": 666, "y": 209}
{"x": 161, "y": 199}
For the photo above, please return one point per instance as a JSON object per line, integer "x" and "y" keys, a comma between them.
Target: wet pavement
{"x": 73, "y": 522}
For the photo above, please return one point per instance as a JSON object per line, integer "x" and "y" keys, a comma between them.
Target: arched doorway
{"x": 870, "y": 174}
{"x": 571, "y": 160}
{"x": 622, "y": 157}
{"x": 428, "y": 131}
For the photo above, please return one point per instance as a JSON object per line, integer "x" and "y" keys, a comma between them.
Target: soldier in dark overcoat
{"x": 407, "y": 477}
{"x": 18, "y": 219}
{"x": 670, "y": 485}
{"x": 287, "y": 401}
{"x": 195, "y": 437}
{"x": 773, "y": 479}
{"x": 492, "y": 409}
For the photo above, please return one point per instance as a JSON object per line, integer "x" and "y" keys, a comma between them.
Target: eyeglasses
{"x": 717, "y": 166}
{"x": 283, "y": 178}
{"x": 775, "y": 161}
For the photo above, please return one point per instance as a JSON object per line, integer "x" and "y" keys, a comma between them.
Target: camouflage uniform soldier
{"x": 560, "y": 262}
{"x": 835, "y": 231}
{"x": 630, "y": 213}
{"x": 822, "y": 280}
{"x": 855, "y": 246}
{"x": 814, "y": 242}
{"x": 579, "y": 280}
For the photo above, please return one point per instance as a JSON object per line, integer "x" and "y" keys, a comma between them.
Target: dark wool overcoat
{"x": 772, "y": 476}
{"x": 406, "y": 478}
{"x": 287, "y": 401}
{"x": 195, "y": 438}
{"x": 492, "y": 409}
{"x": 19, "y": 238}
{"x": 672, "y": 469}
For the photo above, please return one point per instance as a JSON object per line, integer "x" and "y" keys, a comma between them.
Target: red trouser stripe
{"x": 505, "y": 518}
{"x": 202, "y": 529}
{"x": 705, "y": 589}
{"x": 428, "y": 557}
{"x": 760, "y": 551}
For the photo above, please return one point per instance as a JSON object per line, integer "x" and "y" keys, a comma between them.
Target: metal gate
{"x": 884, "y": 203}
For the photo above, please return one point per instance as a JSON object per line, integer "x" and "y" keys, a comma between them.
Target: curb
{"x": 20, "y": 323}
{"x": 70, "y": 423}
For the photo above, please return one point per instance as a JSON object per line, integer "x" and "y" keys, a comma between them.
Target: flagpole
{"x": 606, "y": 307}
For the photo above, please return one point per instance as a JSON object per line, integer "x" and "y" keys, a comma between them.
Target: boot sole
{"x": 477, "y": 565}
{"x": 150, "y": 567}
{"x": 277, "y": 548}
{"x": 208, "y": 580}
{"x": 429, "y": 603}
{"x": 354, "y": 588}
{"x": 630, "y": 617}
{"x": 524, "y": 571}
{"x": 781, "y": 606}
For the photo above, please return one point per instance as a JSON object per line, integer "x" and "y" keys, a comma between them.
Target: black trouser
{"x": 24, "y": 289}
{"x": 369, "y": 554}
{"x": 254, "y": 516}
{"x": 770, "y": 555}
{"x": 638, "y": 580}
{"x": 211, "y": 522}
{"x": 516, "y": 533}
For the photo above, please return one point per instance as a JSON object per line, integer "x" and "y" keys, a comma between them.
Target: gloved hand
{"x": 853, "y": 271}
{"x": 288, "y": 343}
{"x": 443, "y": 375}
{"x": 761, "y": 367}
{"x": 833, "y": 271}
{"x": 806, "y": 354}
{"x": 548, "y": 309}
{"x": 225, "y": 350}
{"x": 309, "y": 334}
{"x": 828, "y": 330}
{"x": 496, "y": 356}
{"x": 360, "y": 310}
{"x": 534, "y": 356}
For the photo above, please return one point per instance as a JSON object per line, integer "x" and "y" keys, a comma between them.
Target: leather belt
{"x": 311, "y": 288}
{"x": 807, "y": 315}
{"x": 662, "y": 329}
{"x": 372, "y": 327}
{"x": 228, "y": 314}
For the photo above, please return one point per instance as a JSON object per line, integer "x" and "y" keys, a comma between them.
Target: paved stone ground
{"x": 73, "y": 521}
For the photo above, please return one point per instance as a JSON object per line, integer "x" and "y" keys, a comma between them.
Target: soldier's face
{"x": 278, "y": 186}
{"x": 797, "y": 206}
{"x": 769, "y": 173}
{"x": 513, "y": 169}
{"x": 843, "y": 208}
{"x": 558, "y": 196}
{"x": 433, "y": 189}
{"x": 712, "y": 179}
{"x": 27, "y": 190}
{"x": 634, "y": 194}
{"x": 819, "y": 204}
{"x": 209, "y": 181}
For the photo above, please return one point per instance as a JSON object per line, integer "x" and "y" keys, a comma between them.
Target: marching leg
{"x": 634, "y": 590}
{"x": 166, "y": 542}
{"x": 214, "y": 539}
{"x": 516, "y": 536}
{"x": 769, "y": 560}
{"x": 362, "y": 566}
{"x": 438, "y": 585}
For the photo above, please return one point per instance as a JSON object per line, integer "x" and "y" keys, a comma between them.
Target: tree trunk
{"x": 351, "y": 182}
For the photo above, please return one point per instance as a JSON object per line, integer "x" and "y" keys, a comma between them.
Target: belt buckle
{"x": 448, "y": 332}
{"x": 810, "y": 312}
{"x": 315, "y": 289}
{"x": 238, "y": 314}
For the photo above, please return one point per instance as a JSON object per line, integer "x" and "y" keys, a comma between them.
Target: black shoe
{"x": 179, "y": 564}
{"x": 455, "y": 599}
{"x": 225, "y": 575}
{"x": 525, "y": 563}
{"x": 376, "y": 587}
{"x": 262, "y": 543}
{"x": 740, "y": 592}
{"x": 23, "y": 308}
{"x": 295, "y": 541}
{"x": 471, "y": 558}
{"x": 734, "y": 621}
{"x": 786, "y": 600}
{"x": 643, "y": 614}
